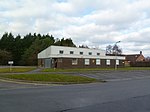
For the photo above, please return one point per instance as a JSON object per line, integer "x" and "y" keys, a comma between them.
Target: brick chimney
{"x": 140, "y": 52}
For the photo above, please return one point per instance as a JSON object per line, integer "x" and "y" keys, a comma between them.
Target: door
{"x": 48, "y": 63}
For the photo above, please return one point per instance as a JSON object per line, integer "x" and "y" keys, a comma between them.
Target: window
{"x": 61, "y": 52}
{"x": 87, "y": 61}
{"x": 74, "y": 61}
{"x": 107, "y": 62}
{"x": 59, "y": 60}
{"x": 90, "y": 53}
{"x": 117, "y": 62}
{"x": 71, "y": 52}
{"x": 98, "y": 54}
{"x": 81, "y": 53}
{"x": 98, "y": 61}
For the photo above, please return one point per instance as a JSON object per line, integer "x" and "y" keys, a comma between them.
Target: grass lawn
{"x": 75, "y": 70}
{"x": 15, "y": 70}
{"x": 94, "y": 69}
{"x": 54, "y": 78}
{"x": 135, "y": 68}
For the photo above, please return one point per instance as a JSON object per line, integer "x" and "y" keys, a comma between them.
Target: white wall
{"x": 56, "y": 49}
{"x": 53, "y": 51}
{"x": 45, "y": 53}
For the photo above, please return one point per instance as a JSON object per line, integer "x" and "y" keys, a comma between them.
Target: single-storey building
{"x": 74, "y": 57}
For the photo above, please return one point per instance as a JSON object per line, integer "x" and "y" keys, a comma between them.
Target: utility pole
{"x": 116, "y": 55}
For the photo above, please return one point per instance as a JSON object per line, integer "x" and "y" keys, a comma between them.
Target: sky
{"x": 96, "y": 23}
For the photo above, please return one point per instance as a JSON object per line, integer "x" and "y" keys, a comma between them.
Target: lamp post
{"x": 116, "y": 55}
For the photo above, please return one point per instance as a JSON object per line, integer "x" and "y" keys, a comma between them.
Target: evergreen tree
{"x": 30, "y": 55}
{"x": 65, "y": 42}
{"x": 5, "y": 57}
{"x": 24, "y": 50}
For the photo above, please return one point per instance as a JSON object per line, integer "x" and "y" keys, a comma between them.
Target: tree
{"x": 24, "y": 49}
{"x": 65, "y": 42}
{"x": 7, "y": 42}
{"x": 109, "y": 49}
{"x": 113, "y": 49}
{"x": 83, "y": 46}
{"x": 5, "y": 56}
{"x": 18, "y": 50}
{"x": 30, "y": 55}
{"x": 147, "y": 58}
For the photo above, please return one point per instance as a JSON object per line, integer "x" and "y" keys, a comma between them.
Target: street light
{"x": 116, "y": 56}
{"x": 117, "y": 42}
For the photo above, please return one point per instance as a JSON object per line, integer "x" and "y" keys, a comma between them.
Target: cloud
{"x": 97, "y": 23}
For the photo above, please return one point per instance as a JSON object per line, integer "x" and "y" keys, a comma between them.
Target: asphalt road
{"x": 114, "y": 96}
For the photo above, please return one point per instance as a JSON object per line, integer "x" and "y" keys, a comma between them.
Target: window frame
{"x": 117, "y": 62}
{"x": 61, "y": 51}
{"x": 108, "y": 62}
{"x": 59, "y": 60}
{"x": 98, "y": 54}
{"x": 86, "y": 61}
{"x": 74, "y": 61}
{"x": 98, "y": 61}
{"x": 81, "y": 53}
{"x": 90, "y": 53}
{"x": 71, "y": 52}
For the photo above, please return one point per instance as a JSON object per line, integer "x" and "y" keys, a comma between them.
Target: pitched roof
{"x": 132, "y": 57}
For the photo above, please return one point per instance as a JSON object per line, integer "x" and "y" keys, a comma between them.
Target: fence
{"x": 140, "y": 64}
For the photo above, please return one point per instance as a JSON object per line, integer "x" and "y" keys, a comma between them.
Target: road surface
{"x": 114, "y": 96}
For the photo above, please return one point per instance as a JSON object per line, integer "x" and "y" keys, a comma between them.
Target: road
{"x": 114, "y": 96}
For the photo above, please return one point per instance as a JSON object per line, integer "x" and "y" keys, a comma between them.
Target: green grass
{"x": 50, "y": 78}
{"x": 94, "y": 69}
{"x": 135, "y": 68}
{"x": 75, "y": 70}
{"x": 15, "y": 70}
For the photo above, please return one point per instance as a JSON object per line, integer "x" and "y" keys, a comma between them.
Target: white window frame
{"x": 98, "y": 62}
{"x": 87, "y": 61}
{"x": 117, "y": 62}
{"x": 108, "y": 62}
{"x": 74, "y": 61}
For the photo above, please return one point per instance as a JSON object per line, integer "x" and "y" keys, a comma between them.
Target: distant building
{"x": 133, "y": 58}
{"x": 73, "y": 57}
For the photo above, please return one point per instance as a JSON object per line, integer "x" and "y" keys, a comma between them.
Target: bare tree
{"x": 147, "y": 58}
{"x": 113, "y": 49}
{"x": 109, "y": 49}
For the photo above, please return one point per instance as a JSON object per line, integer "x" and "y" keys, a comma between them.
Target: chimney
{"x": 140, "y": 52}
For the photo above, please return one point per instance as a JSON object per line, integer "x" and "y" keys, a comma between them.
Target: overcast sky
{"x": 90, "y": 22}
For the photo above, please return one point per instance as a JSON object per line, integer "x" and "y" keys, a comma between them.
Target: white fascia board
{"x": 115, "y": 57}
{"x": 87, "y": 56}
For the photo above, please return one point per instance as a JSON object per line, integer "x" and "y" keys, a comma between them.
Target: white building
{"x": 73, "y": 57}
